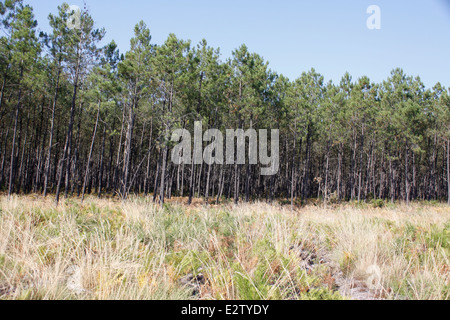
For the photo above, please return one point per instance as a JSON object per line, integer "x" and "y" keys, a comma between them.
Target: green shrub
{"x": 321, "y": 294}
{"x": 378, "y": 203}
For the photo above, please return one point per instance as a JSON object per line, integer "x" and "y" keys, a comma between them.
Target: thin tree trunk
{"x": 207, "y": 185}
{"x": 127, "y": 156}
{"x": 163, "y": 177}
{"x": 339, "y": 177}
{"x": 88, "y": 164}
{"x": 158, "y": 169}
{"x": 147, "y": 174}
{"x": 407, "y": 173}
{"x": 119, "y": 151}
{"x": 102, "y": 156}
{"x": 327, "y": 169}
{"x": 66, "y": 155}
{"x": 448, "y": 171}
{"x": 52, "y": 128}
{"x": 361, "y": 165}
{"x": 2, "y": 94}
{"x": 191, "y": 183}
{"x": 293, "y": 168}
{"x": 16, "y": 119}
{"x": 221, "y": 185}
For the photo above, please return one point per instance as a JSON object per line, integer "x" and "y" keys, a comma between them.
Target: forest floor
{"x": 107, "y": 249}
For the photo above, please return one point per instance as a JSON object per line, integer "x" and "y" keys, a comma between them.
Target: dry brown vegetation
{"x": 106, "y": 249}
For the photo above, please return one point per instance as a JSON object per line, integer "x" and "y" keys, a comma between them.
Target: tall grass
{"x": 105, "y": 249}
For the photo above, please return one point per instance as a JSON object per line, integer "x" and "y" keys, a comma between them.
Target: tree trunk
{"x": 119, "y": 151}
{"x": 327, "y": 169}
{"x": 127, "y": 155}
{"x": 163, "y": 177}
{"x": 52, "y": 128}
{"x": 407, "y": 173}
{"x": 191, "y": 183}
{"x": 361, "y": 157}
{"x": 65, "y": 161}
{"x": 339, "y": 177}
{"x": 293, "y": 168}
{"x": 16, "y": 119}
{"x": 448, "y": 171}
{"x": 305, "y": 193}
{"x": 88, "y": 164}
{"x": 207, "y": 185}
{"x": 147, "y": 174}
{"x": 101, "y": 168}
{"x": 2, "y": 94}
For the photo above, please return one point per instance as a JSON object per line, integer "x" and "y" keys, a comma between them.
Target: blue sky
{"x": 293, "y": 35}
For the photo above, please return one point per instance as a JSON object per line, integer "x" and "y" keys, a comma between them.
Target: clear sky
{"x": 293, "y": 35}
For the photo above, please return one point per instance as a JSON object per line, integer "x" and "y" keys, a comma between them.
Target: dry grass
{"x": 105, "y": 249}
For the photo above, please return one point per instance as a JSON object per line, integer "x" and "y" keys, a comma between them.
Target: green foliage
{"x": 187, "y": 261}
{"x": 349, "y": 141}
{"x": 321, "y": 294}
{"x": 438, "y": 238}
{"x": 378, "y": 203}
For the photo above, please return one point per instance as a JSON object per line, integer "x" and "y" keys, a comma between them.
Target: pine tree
{"x": 24, "y": 51}
{"x": 135, "y": 70}
{"x": 80, "y": 52}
